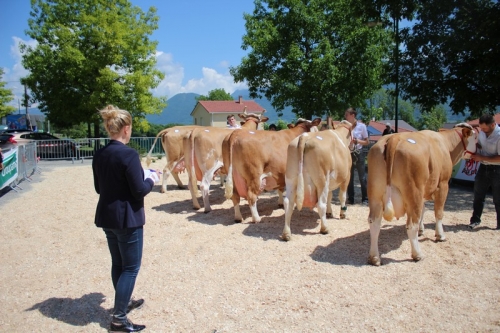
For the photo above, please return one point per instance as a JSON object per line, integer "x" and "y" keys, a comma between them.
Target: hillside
{"x": 178, "y": 110}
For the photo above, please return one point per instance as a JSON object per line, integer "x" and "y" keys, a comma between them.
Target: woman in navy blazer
{"x": 119, "y": 181}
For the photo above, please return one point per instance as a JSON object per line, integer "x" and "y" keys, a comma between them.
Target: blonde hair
{"x": 115, "y": 119}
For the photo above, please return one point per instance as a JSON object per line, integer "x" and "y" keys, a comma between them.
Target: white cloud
{"x": 171, "y": 85}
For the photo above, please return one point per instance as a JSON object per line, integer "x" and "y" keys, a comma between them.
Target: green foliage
{"x": 280, "y": 125}
{"x": 216, "y": 95}
{"x": 5, "y": 97}
{"x": 452, "y": 53}
{"x": 317, "y": 56}
{"x": 89, "y": 54}
{"x": 432, "y": 120}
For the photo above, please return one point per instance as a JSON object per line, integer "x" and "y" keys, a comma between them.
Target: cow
{"x": 407, "y": 169}
{"x": 256, "y": 161}
{"x": 205, "y": 154}
{"x": 317, "y": 164}
{"x": 172, "y": 142}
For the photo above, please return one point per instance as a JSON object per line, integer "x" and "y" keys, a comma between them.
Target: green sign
{"x": 10, "y": 166}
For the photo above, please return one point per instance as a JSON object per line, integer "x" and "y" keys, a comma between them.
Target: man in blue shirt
{"x": 488, "y": 175}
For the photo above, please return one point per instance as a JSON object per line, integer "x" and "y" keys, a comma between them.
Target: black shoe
{"x": 135, "y": 304}
{"x": 127, "y": 326}
{"x": 473, "y": 225}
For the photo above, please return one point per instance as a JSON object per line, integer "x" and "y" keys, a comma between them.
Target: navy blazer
{"x": 119, "y": 181}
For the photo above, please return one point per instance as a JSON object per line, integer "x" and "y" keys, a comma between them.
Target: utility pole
{"x": 26, "y": 104}
{"x": 396, "y": 63}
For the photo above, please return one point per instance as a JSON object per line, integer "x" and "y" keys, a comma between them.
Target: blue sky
{"x": 197, "y": 42}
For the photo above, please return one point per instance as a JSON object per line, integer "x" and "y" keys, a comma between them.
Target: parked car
{"x": 3, "y": 128}
{"x": 48, "y": 145}
{"x": 7, "y": 141}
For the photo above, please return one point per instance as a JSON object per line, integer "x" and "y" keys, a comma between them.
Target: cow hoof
{"x": 418, "y": 258}
{"x": 281, "y": 206}
{"x": 207, "y": 211}
{"x": 374, "y": 261}
{"x": 286, "y": 237}
{"x": 237, "y": 221}
{"x": 324, "y": 231}
{"x": 420, "y": 233}
{"x": 163, "y": 190}
{"x": 441, "y": 239}
{"x": 342, "y": 216}
{"x": 182, "y": 187}
{"x": 329, "y": 215}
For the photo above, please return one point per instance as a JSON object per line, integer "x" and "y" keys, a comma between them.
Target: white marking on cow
{"x": 176, "y": 131}
{"x": 318, "y": 137}
{"x": 251, "y": 132}
{"x": 412, "y": 141}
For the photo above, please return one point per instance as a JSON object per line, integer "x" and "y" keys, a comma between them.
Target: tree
{"x": 5, "y": 97}
{"x": 216, "y": 95}
{"x": 452, "y": 53}
{"x": 318, "y": 57}
{"x": 432, "y": 120}
{"x": 89, "y": 54}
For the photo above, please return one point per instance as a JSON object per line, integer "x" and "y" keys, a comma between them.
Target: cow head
{"x": 345, "y": 124}
{"x": 308, "y": 125}
{"x": 469, "y": 136}
{"x": 257, "y": 118}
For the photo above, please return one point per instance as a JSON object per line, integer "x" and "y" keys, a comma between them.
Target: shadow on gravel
{"x": 75, "y": 312}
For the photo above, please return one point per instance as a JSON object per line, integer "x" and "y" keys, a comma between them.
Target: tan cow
{"x": 317, "y": 164}
{"x": 172, "y": 142}
{"x": 205, "y": 154}
{"x": 256, "y": 161}
{"x": 407, "y": 169}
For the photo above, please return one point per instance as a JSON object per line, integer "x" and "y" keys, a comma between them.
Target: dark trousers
{"x": 358, "y": 164}
{"x": 125, "y": 246}
{"x": 487, "y": 176}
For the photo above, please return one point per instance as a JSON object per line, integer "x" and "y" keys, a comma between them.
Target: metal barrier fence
{"x": 80, "y": 149}
{"x": 26, "y": 164}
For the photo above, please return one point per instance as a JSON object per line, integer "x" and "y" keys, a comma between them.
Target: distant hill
{"x": 178, "y": 110}
{"x": 288, "y": 115}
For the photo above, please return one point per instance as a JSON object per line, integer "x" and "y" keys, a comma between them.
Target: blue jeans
{"x": 358, "y": 163}
{"x": 487, "y": 176}
{"x": 125, "y": 246}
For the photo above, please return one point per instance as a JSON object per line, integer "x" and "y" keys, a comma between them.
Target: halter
{"x": 471, "y": 166}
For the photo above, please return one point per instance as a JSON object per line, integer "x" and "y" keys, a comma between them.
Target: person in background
{"x": 119, "y": 180}
{"x": 388, "y": 129}
{"x": 488, "y": 175}
{"x": 359, "y": 139}
{"x": 231, "y": 122}
{"x": 272, "y": 127}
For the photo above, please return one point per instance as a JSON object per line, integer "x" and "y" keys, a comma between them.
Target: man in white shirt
{"x": 359, "y": 139}
{"x": 231, "y": 122}
{"x": 488, "y": 175}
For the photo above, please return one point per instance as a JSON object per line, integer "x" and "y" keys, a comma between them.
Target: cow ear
{"x": 263, "y": 119}
{"x": 316, "y": 122}
{"x": 242, "y": 115}
{"x": 466, "y": 132}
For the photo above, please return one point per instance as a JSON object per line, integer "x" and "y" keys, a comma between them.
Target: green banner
{"x": 10, "y": 166}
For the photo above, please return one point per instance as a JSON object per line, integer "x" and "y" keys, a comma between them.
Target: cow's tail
{"x": 148, "y": 157}
{"x": 389, "y": 154}
{"x": 193, "y": 179}
{"x": 299, "y": 201}
{"x": 229, "y": 178}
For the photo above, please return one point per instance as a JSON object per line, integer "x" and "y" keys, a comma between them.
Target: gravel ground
{"x": 203, "y": 273}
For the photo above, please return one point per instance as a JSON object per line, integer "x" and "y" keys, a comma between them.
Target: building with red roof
{"x": 214, "y": 113}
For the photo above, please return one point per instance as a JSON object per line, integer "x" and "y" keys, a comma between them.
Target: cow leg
{"x": 329, "y": 211}
{"x": 164, "y": 178}
{"x": 374, "y": 222}
{"x": 412, "y": 231}
{"x": 439, "y": 201}
{"x": 342, "y": 199}
{"x": 178, "y": 181}
{"x": 421, "y": 221}
{"x": 322, "y": 208}
{"x": 205, "y": 189}
{"x": 288, "y": 203}
{"x": 222, "y": 179}
{"x": 236, "y": 203}
{"x": 192, "y": 189}
{"x": 280, "y": 199}
{"x": 252, "y": 202}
